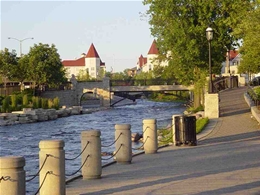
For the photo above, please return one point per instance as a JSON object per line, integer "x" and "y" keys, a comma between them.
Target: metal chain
{"x": 5, "y": 178}
{"x": 142, "y": 144}
{"x": 79, "y": 153}
{"x": 80, "y": 167}
{"x": 113, "y": 142}
{"x": 49, "y": 172}
{"x": 113, "y": 154}
{"x": 33, "y": 177}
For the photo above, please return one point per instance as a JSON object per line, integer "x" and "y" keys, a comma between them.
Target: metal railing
{"x": 143, "y": 82}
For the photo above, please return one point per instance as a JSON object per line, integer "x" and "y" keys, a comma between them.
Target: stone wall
{"x": 67, "y": 97}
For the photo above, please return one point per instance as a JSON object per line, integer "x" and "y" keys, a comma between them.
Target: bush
{"x": 6, "y": 105}
{"x": 50, "y": 103}
{"x": 44, "y": 103}
{"x": 36, "y": 102}
{"x": 56, "y": 103}
{"x": 25, "y": 100}
{"x": 14, "y": 102}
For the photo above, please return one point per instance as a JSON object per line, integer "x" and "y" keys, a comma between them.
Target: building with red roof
{"x": 90, "y": 62}
{"x": 145, "y": 64}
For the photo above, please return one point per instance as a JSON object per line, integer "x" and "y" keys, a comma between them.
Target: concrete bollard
{"x": 123, "y": 144}
{"x": 150, "y": 136}
{"x": 174, "y": 129}
{"x": 12, "y": 175}
{"x": 91, "y": 156}
{"x": 52, "y": 175}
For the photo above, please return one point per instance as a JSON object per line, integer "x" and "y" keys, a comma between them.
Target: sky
{"x": 118, "y": 29}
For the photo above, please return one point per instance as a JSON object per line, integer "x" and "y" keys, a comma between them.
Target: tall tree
{"x": 45, "y": 65}
{"x": 180, "y": 25}
{"x": 249, "y": 29}
{"x": 8, "y": 61}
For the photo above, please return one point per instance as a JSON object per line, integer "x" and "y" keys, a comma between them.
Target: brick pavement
{"x": 226, "y": 161}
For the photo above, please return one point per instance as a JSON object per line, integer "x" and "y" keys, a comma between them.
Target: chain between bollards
{"x": 79, "y": 168}
{"x": 113, "y": 142}
{"x": 37, "y": 174}
{"x": 113, "y": 154}
{"x": 79, "y": 153}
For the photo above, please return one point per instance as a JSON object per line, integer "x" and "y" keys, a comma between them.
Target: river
{"x": 24, "y": 139}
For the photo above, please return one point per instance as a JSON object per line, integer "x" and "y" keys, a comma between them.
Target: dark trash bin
{"x": 185, "y": 131}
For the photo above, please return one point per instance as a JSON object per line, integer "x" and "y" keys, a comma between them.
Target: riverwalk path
{"x": 225, "y": 161}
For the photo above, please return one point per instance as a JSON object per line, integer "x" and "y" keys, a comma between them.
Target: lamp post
{"x": 209, "y": 35}
{"x": 20, "y": 40}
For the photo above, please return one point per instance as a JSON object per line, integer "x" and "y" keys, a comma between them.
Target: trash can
{"x": 185, "y": 131}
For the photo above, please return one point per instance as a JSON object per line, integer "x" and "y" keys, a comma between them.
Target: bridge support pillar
{"x": 212, "y": 105}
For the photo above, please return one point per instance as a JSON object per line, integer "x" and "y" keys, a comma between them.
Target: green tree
{"x": 83, "y": 75}
{"x": 45, "y": 65}
{"x": 20, "y": 71}
{"x": 179, "y": 27}
{"x": 249, "y": 29}
{"x": 8, "y": 61}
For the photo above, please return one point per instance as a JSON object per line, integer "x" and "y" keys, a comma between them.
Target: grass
{"x": 166, "y": 134}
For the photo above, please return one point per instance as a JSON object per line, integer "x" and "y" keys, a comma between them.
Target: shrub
{"x": 6, "y": 105}
{"x": 56, "y": 103}
{"x": 50, "y": 103}
{"x": 25, "y": 100}
{"x": 44, "y": 102}
{"x": 36, "y": 102}
{"x": 14, "y": 102}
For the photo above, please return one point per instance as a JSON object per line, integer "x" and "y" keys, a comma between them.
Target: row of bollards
{"x": 52, "y": 159}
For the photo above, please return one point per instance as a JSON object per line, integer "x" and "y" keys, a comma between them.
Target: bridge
{"x": 130, "y": 89}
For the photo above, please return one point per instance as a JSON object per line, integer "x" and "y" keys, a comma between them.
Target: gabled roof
{"x": 233, "y": 54}
{"x": 142, "y": 61}
{"x": 77, "y": 62}
{"x": 92, "y": 52}
{"x": 153, "y": 49}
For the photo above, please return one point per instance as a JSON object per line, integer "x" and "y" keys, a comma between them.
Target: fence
{"x": 52, "y": 159}
{"x": 8, "y": 90}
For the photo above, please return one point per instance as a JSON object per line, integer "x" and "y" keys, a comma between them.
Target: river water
{"x": 23, "y": 140}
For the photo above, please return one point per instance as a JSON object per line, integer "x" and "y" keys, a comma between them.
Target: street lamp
{"x": 20, "y": 40}
{"x": 209, "y": 35}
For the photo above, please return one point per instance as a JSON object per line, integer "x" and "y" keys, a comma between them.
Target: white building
{"x": 145, "y": 64}
{"x": 89, "y": 62}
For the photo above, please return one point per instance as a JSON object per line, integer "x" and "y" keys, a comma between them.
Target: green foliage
{"x": 170, "y": 96}
{"x": 36, "y": 103}
{"x": 6, "y": 104}
{"x": 249, "y": 29}
{"x": 25, "y": 100}
{"x": 83, "y": 75}
{"x": 50, "y": 103}
{"x": 14, "y": 102}
{"x": 56, "y": 103}
{"x": 200, "y": 124}
{"x": 44, "y": 103}
{"x": 45, "y": 65}
{"x": 197, "y": 109}
{"x": 179, "y": 27}
{"x": 8, "y": 61}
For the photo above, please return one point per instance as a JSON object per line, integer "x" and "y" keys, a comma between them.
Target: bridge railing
{"x": 222, "y": 83}
{"x": 143, "y": 82}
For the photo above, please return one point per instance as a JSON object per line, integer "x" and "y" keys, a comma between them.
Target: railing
{"x": 222, "y": 83}
{"x": 143, "y": 82}
{"x": 52, "y": 158}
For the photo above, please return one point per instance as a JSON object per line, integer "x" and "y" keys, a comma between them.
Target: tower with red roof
{"x": 89, "y": 62}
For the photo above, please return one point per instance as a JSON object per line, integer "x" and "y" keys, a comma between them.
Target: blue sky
{"x": 117, "y": 29}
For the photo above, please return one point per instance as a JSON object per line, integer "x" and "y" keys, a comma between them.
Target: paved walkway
{"x": 226, "y": 161}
